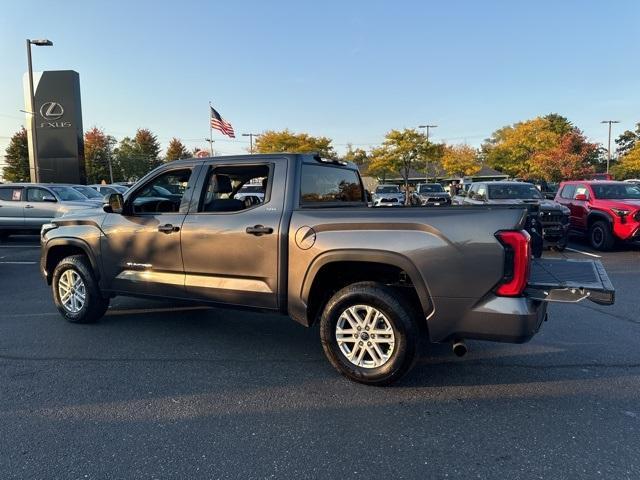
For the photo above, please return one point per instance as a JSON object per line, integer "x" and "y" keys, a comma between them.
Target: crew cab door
{"x": 141, "y": 247}
{"x": 231, "y": 247}
{"x": 579, "y": 207}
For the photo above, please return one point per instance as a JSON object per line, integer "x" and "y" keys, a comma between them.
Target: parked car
{"x": 253, "y": 193}
{"x": 88, "y": 192}
{"x": 552, "y": 216}
{"x": 432, "y": 194}
{"x": 603, "y": 211}
{"x": 388, "y": 196}
{"x": 373, "y": 278}
{"x": 25, "y": 207}
{"x": 109, "y": 189}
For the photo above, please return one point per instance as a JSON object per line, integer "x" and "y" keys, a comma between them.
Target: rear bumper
{"x": 499, "y": 319}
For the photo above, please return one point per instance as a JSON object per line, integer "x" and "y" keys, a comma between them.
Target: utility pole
{"x": 609, "y": 145}
{"x": 35, "y": 175}
{"x": 427, "y": 127}
{"x": 110, "y": 141}
{"x": 251, "y": 135}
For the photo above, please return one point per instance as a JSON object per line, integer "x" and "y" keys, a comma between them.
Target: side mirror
{"x": 49, "y": 198}
{"x": 114, "y": 204}
{"x": 581, "y": 197}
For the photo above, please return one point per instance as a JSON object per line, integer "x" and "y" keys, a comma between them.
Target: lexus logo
{"x": 51, "y": 111}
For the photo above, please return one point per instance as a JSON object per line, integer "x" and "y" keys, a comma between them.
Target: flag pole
{"x": 210, "y": 132}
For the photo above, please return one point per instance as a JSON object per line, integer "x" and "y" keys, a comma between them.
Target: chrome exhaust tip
{"x": 459, "y": 348}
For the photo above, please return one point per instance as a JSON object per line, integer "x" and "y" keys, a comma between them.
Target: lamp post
{"x": 427, "y": 127}
{"x": 251, "y": 135}
{"x": 609, "y": 145}
{"x": 35, "y": 176}
{"x": 210, "y": 141}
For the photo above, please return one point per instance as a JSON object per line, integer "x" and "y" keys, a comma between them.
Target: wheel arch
{"x": 59, "y": 248}
{"x": 597, "y": 215}
{"x": 361, "y": 265}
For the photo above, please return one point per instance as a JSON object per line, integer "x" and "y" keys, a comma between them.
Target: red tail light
{"x": 517, "y": 259}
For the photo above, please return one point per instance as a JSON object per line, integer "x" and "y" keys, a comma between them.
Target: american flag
{"x": 221, "y": 124}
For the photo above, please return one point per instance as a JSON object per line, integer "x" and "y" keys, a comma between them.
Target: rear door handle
{"x": 168, "y": 228}
{"x": 258, "y": 230}
{"x": 28, "y": 206}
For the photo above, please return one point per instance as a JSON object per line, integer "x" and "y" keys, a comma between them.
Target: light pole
{"x": 210, "y": 141}
{"x": 35, "y": 176}
{"x": 609, "y": 145}
{"x": 110, "y": 141}
{"x": 427, "y": 127}
{"x": 251, "y": 135}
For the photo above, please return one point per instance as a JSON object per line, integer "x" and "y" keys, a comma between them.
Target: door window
{"x": 9, "y": 194}
{"x": 37, "y": 194}
{"x": 235, "y": 188}
{"x": 568, "y": 191}
{"x": 162, "y": 194}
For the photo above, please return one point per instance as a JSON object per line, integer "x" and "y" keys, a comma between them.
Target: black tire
{"x": 600, "y": 236}
{"x": 4, "y": 234}
{"x": 94, "y": 306}
{"x": 400, "y": 318}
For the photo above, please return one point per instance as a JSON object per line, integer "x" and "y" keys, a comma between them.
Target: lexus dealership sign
{"x": 58, "y": 120}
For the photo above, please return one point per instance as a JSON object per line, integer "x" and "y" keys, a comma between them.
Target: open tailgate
{"x": 562, "y": 280}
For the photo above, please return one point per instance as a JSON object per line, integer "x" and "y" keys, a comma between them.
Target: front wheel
{"x": 75, "y": 291}
{"x": 600, "y": 236}
{"x": 368, "y": 335}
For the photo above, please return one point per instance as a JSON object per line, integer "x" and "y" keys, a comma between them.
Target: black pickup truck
{"x": 309, "y": 247}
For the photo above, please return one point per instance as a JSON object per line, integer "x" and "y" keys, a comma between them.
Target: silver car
{"x": 25, "y": 207}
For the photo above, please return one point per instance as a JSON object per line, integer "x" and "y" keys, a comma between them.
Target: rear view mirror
{"x": 581, "y": 197}
{"x": 114, "y": 203}
{"x": 49, "y": 198}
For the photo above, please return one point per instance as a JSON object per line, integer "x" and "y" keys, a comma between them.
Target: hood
{"x": 74, "y": 204}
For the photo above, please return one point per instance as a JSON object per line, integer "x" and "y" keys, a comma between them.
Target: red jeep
{"x": 602, "y": 210}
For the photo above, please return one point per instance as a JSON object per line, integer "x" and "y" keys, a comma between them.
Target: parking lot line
{"x": 19, "y": 246}
{"x": 583, "y": 253}
{"x": 18, "y": 263}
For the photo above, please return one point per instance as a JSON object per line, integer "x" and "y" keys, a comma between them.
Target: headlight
{"x": 620, "y": 212}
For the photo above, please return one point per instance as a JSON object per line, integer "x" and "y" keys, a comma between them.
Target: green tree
{"x": 285, "y": 141}
{"x": 627, "y": 140}
{"x": 629, "y": 164}
{"x": 401, "y": 151}
{"x": 460, "y": 160}
{"x": 97, "y": 153}
{"x": 176, "y": 150}
{"x": 17, "y": 158}
{"x": 137, "y": 156}
{"x": 358, "y": 156}
{"x": 521, "y": 150}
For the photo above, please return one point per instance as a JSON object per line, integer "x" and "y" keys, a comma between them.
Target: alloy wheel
{"x": 72, "y": 291}
{"x": 365, "y": 336}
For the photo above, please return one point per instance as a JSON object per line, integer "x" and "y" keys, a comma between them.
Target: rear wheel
{"x": 600, "y": 236}
{"x": 75, "y": 291}
{"x": 368, "y": 335}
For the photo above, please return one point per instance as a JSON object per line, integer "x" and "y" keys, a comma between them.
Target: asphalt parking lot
{"x": 159, "y": 390}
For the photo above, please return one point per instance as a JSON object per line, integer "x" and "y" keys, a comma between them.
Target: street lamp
{"x": 609, "y": 146}
{"x": 251, "y": 135}
{"x": 34, "y": 142}
{"x": 427, "y": 127}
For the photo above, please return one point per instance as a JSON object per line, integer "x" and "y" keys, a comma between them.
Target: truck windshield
{"x": 388, "y": 189}
{"x": 68, "y": 194}
{"x": 515, "y": 191}
{"x": 431, "y": 188}
{"x": 616, "y": 191}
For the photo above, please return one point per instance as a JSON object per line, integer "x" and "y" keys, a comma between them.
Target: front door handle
{"x": 28, "y": 206}
{"x": 258, "y": 230}
{"x": 168, "y": 228}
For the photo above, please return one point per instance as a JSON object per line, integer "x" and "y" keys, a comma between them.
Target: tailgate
{"x": 561, "y": 280}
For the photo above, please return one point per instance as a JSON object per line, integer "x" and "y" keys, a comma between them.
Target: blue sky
{"x": 347, "y": 70}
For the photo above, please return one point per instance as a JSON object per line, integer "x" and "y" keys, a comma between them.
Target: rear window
{"x": 10, "y": 194}
{"x": 325, "y": 184}
{"x": 514, "y": 191}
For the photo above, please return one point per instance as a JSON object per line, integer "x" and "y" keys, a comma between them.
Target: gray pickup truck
{"x": 377, "y": 280}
